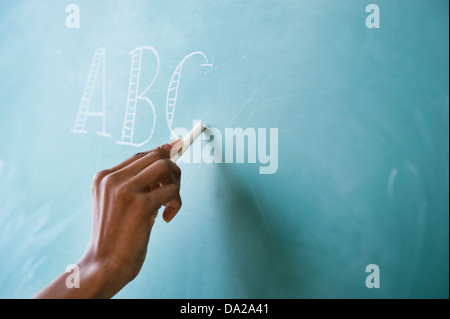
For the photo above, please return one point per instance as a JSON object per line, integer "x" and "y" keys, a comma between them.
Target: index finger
{"x": 134, "y": 167}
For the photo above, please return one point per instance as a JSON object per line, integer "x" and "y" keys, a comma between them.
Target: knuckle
{"x": 162, "y": 164}
{"x": 140, "y": 154}
{"x": 155, "y": 155}
{"x": 158, "y": 153}
{"x": 173, "y": 189}
{"x": 179, "y": 200}
{"x": 99, "y": 176}
{"x": 164, "y": 150}
{"x": 110, "y": 180}
{"x": 177, "y": 171}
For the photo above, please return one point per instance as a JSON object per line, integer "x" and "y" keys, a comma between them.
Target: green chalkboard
{"x": 328, "y": 151}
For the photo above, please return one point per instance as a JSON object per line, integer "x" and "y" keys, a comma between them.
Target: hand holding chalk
{"x": 187, "y": 141}
{"x": 126, "y": 200}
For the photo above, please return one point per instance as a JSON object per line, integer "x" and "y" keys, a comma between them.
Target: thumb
{"x": 170, "y": 149}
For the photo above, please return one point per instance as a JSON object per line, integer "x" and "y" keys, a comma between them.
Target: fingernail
{"x": 169, "y": 213}
{"x": 176, "y": 147}
{"x": 174, "y": 142}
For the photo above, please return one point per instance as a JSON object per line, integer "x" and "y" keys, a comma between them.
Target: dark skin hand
{"x": 126, "y": 200}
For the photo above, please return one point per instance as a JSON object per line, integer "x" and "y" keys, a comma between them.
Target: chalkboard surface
{"x": 336, "y": 185}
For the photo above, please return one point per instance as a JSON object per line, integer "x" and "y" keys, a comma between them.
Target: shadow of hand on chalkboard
{"x": 263, "y": 263}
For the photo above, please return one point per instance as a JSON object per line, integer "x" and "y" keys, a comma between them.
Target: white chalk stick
{"x": 188, "y": 140}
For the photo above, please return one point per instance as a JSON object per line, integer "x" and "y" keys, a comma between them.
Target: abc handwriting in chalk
{"x": 212, "y": 151}
{"x": 135, "y": 93}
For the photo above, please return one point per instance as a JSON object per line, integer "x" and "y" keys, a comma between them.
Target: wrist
{"x": 90, "y": 280}
{"x": 100, "y": 279}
